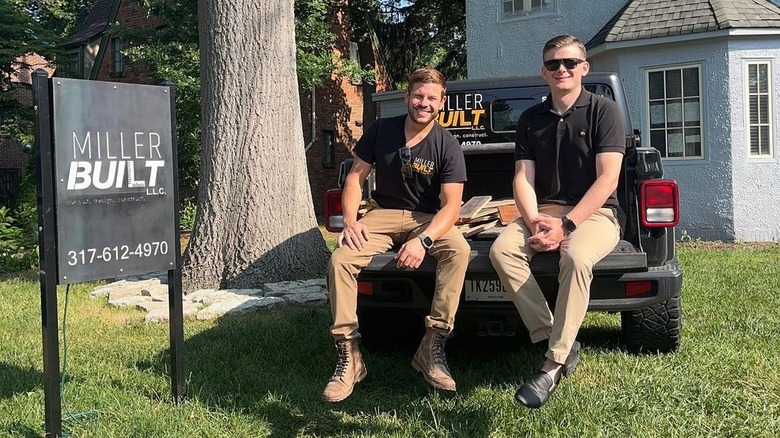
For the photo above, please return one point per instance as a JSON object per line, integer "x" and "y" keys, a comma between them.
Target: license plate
{"x": 485, "y": 290}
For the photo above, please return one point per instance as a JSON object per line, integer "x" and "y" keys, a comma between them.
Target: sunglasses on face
{"x": 568, "y": 63}
{"x": 406, "y": 161}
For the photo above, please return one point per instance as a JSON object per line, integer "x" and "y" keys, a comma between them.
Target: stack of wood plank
{"x": 478, "y": 214}
{"x": 481, "y": 213}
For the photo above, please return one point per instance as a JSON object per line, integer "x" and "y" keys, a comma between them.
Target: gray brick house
{"x": 700, "y": 76}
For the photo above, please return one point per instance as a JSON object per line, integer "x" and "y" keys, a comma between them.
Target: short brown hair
{"x": 427, "y": 75}
{"x": 563, "y": 41}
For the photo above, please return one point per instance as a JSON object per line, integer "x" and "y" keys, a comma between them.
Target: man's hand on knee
{"x": 354, "y": 235}
{"x": 411, "y": 254}
{"x": 543, "y": 241}
{"x": 549, "y": 236}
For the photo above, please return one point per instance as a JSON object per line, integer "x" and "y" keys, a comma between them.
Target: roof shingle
{"x": 656, "y": 18}
{"x": 94, "y": 23}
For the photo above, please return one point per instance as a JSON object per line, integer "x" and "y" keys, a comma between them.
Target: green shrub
{"x": 18, "y": 239}
{"x": 187, "y": 215}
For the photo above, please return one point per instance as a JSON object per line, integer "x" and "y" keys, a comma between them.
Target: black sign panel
{"x": 114, "y": 176}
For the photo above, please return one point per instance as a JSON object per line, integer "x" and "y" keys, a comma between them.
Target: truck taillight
{"x": 365, "y": 288}
{"x": 638, "y": 288}
{"x": 334, "y": 216}
{"x": 659, "y": 203}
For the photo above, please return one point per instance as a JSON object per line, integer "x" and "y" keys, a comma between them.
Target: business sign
{"x": 464, "y": 117}
{"x": 114, "y": 182}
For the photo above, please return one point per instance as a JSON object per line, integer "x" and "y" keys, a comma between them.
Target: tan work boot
{"x": 350, "y": 370}
{"x": 430, "y": 361}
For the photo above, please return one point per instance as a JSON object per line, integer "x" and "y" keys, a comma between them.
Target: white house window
{"x": 759, "y": 109}
{"x": 674, "y": 110}
{"x": 520, "y": 8}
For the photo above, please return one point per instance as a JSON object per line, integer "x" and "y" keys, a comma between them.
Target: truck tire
{"x": 653, "y": 329}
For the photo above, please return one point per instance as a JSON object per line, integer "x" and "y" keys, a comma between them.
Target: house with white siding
{"x": 700, "y": 78}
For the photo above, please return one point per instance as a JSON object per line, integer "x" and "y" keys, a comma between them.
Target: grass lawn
{"x": 261, "y": 375}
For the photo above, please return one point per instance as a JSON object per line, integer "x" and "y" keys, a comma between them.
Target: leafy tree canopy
{"x": 60, "y": 17}
{"x": 415, "y": 33}
{"x": 30, "y": 26}
{"x": 171, "y": 52}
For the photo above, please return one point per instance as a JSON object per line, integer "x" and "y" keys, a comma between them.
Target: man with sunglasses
{"x": 420, "y": 171}
{"x": 568, "y": 154}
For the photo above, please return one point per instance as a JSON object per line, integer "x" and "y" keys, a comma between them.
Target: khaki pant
{"x": 388, "y": 228}
{"x": 590, "y": 242}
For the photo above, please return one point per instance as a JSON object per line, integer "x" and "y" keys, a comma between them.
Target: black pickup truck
{"x": 641, "y": 278}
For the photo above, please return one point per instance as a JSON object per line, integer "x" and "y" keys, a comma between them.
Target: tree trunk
{"x": 255, "y": 220}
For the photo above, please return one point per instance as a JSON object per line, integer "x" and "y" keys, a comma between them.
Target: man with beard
{"x": 420, "y": 171}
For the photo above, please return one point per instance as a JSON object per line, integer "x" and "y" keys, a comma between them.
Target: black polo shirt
{"x": 564, "y": 147}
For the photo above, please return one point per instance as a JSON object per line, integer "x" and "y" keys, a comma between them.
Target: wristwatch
{"x": 568, "y": 224}
{"x": 427, "y": 242}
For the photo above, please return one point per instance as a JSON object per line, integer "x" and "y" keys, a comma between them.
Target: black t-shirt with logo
{"x": 437, "y": 159}
{"x": 564, "y": 147}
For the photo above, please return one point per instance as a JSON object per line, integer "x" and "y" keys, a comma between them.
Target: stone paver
{"x": 149, "y": 294}
{"x": 154, "y": 289}
{"x": 290, "y": 285}
{"x": 312, "y": 298}
{"x": 126, "y": 288}
{"x": 238, "y": 306}
{"x": 161, "y": 314}
{"x": 148, "y": 306}
{"x": 295, "y": 291}
{"x": 130, "y": 301}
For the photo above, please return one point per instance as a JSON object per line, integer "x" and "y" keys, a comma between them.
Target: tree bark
{"x": 255, "y": 220}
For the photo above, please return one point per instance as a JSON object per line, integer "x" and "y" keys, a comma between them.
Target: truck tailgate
{"x": 623, "y": 259}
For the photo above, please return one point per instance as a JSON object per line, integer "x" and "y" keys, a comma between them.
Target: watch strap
{"x": 427, "y": 242}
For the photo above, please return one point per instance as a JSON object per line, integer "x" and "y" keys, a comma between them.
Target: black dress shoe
{"x": 572, "y": 360}
{"x": 536, "y": 392}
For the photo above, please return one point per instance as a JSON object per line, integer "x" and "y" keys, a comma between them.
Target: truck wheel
{"x": 653, "y": 329}
{"x": 382, "y": 328}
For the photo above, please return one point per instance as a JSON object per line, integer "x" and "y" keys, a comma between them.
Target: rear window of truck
{"x": 504, "y": 113}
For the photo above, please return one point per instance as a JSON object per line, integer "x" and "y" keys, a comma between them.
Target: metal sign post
{"x": 107, "y": 201}
{"x": 175, "y": 302}
{"x": 48, "y": 254}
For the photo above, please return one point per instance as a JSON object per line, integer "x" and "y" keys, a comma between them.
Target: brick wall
{"x": 26, "y": 65}
{"x": 11, "y": 154}
{"x": 129, "y": 14}
{"x": 339, "y": 108}
{"x": 14, "y": 160}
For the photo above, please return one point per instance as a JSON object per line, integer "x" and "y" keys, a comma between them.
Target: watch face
{"x": 427, "y": 242}
{"x": 568, "y": 224}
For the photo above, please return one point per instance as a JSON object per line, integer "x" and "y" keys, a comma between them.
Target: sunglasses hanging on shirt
{"x": 406, "y": 161}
